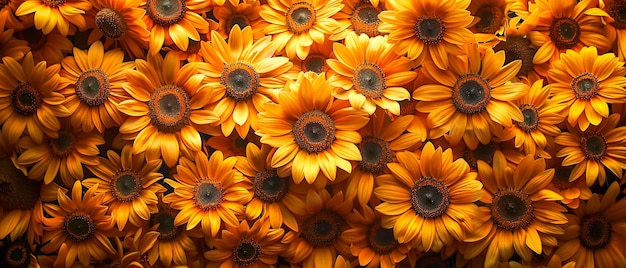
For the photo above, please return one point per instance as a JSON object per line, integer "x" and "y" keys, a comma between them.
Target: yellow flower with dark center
{"x": 166, "y": 108}
{"x": 174, "y": 22}
{"x": 490, "y": 17}
{"x": 311, "y": 130}
{"x": 315, "y": 61}
{"x": 242, "y": 14}
{"x": 586, "y": 82}
{"x": 50, "y": 14}
{"x": 428, "y": 199}
{"x": 370, "y": 74}
{"x": 429, "y": 29}
{"x": 360, "y": 17}
{"x": 11, "y": 46}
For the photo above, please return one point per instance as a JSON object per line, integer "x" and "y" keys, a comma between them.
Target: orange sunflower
{"x": 429, "y": 202}
{"x": 208, "y": 192}
{"x": 96, "y": 89}
{"x": 586, "y": 82}
{"x": 595, "y": 231}
{"x": 311, "y": 130}
{"x": 594, "y": 149}
{"x": 474, "y": 97}
{"x": 81, "y": 224}
{"x": 173, "y": 245}
{"x": 614, "y": 22}
{"x": 243, "y": 75}
{"x": 369, "y": 74}
{"x": 243, "y": 14}
{"x": 243, "y": 246}
{"x": 429, "y": 29}
{"x": 517, "y": 46}
{"x": 11, "y": 46}
{"x": 56, "y": 13}
{"x": 360, "y": 17}
{"x": 166, "y": 108}
{"x": 296, "y": 24}
{"x": 490, "y": 17}
{"x": 51, "y": 47}
{"x": 30, "y": 99}
{"x": 315, "y": 61}
{"x": 520, "y": 215}
{"x": 174, "y": 22}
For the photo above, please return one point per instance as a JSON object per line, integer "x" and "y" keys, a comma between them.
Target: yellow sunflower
{"x": 296, "y": 24}
{"x": 519, "y": 214}
{"x": 586, "y": 82}
{"x": 207, "y": 192}
{"x": 174, "y": 22}
{"x": 429, "y": 29}
{"x": 30, "y": 99}
{"x": 51, "y": 47}
{"x": 474, "y": 98}
{"x": 243, "y": 75}
{"x": 7, "y": 15}
{"x": 429, "y": 202}
{"x": 81, "y": 224}
{"x": 360, "y": 17}
{"x": 165, "y": 108}
{"x": 595, "y": 231}
{"x": 59, "y": 14}
{"x": 11, "y": 46}
{"x": 368, "y": 73}
{"x": 243, "y": 14}
{"x": 243, "y": 246}
{"x": 172, "y": 246}
{"x": 593, "y": 150}
{"x": 315, "y": 61}
{"x": 96, "y": 89}
{"x": 312, "y": 131}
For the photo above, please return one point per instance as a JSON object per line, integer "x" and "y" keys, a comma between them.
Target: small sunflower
{"x": 316, "y": 60}
{"x": 174, "y": 22}
{"x": 360, "y": 17}
{"x": 59, "y": 14}
{"x": 244, "y": 13}
{"x": 17, "y": 254}
{"x": 51, "y": 47}
{"x": 611, "y": 12}
{"x": 490, "y": 17}
{"x": 172, "y": 245}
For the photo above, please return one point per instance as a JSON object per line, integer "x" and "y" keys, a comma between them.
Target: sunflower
{"x": 474, "y": 97}
{"x": 165, "y": 108}
{"x": 520, "y": 215}
{"x": 428, "y": 202}
{"x": 30, "y": 99}
{"x": 80, "y": 224}
{"x": 312, "y": 131}
{"x": 243, "y": 14}
{"x": 51, "y": 47}
{"x": 615, "y": 24}
{"x": 517, "y": 46}
{"x": 121, "y": 25}
{"x": 541, "y": 115}
{"x": 7, "y": 15}
{"x": 96, "y": 89}
{"x": 59, "y": 14}
{"x": 174, "y": 22}
{"x": 208, "y": 192}
{"x": 595, "y": 231}
{"x": 369, "y": 74}
{"x": 173, "y": 245}
{"x": 296, "y": 24}
{"x": 490, "y": 17}
{"x": 243, "y": 75}
{"x": 11, "y": 46}
{"x": 243, "y": 245}
{"x": 316, "y": 60}
{"x": 586, "y": 82}
{"x": 360, "y": 17}
{"x": 431, "y": 29}
{"x": 593, "y": 150}
{"x": 17, "y": 254}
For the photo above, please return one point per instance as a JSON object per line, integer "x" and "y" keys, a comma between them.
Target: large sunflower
{"x": 474, "y": 97}
{"x": 174, "y": 22}
{"x": 166, "y": 108}
{"x": 369, "y": 74}
{"x": 429, "y": 202}
{"x": 243, "y": 74}
{"x": 429, "y": 29}
{"x": 586, "y": 82}
{"x": 296, "y": 24}
{"x": 312, "y": 131}
{"x": 56, "y": 13}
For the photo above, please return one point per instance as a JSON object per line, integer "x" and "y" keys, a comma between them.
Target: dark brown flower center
{"x": 429, "y": 197}
{"x": 269, "y": 187}
{"x": 166, "y": 12}
{"x": 3, "y": 3}
{"x": 241, "y": 81}
{"x": 585, "y": 86}
{"x": 26, "y": 99}
{"x": 126, "y": 185}
{"x": 369, "y": 80}
{"x": 169, "y": 108}
{"x": 595, "y": 232}
{"x": 381, "y": 240}
{"x": 92, "y": 87}
{"x": 53, "y": 3}
{"x": 241, "y": 21}
{"x": 375, "y": 154}
{"x": 322, "y": 229}
{"x": 111, "y": 23}
{"x": 484, "y": 152}
{"x": 531, "y": 117}
{"x": 491, "y": 19}
{"x": 365, "y": 19}
{"x": 35, "y": 38}
{"x": 518, "y": 48}
{"x": 63, "y": 145}
{"x": 246, "y": 252}
{"x": 594, "y": 145}
{"x": 314, "y": 63}
{"x": 561, "y": 177}
{"x": 300, "y": 17}
{"x": 511, "y": 209}
{"x": 208, "y": 194}
{"x": 16, "y": 190}
{"x": 565, "y": 32}
{"x": 471, "y": 93}
{"x": 15, "y": 255}
{"x": 79, "y": 226}
{"x": 617, "y": 11}
{"x": 429, "y": 29}
{"x": 314, "y": 131}
{"x": 167, "y": 230}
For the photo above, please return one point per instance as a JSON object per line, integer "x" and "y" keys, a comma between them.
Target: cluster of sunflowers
{"x": 314, "y": 133}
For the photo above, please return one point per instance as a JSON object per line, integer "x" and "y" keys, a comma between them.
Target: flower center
{"x": 429, "y": 30}
{"x": 433, "y": 260}
{"x": 63, "y": 145}
{"x": 166, "y": 12}
{"x": 490, "y": 19}
{"x": 381, "y": 240}
{"x": 595, "y": 232}
{"x": 53, "y": 3}
{"x": 300, "y": 17}
{"x": 314, "y": 63}
{"x": 269, "y": 187}
{"x": 561, "y": 177}
{"x": 511, "y": 209}
{"x": 246, "y": 252}
{"x": 111, "y": 23}
{"x": 79, "y": 226}
{"x": 518, "y": 48}
{"x": 531, "y": 117}
{"x": 565, "y": 32}
{"x": 594, "y": 145}
{"x": 364, "y": 19}
{"x": 16, "y": 190}
{"x": 167, "y": 230}
{"x": 375, "y": 154}
{"x": 241, "y": 81}
{"x": 208, "y": 194}
{"x": 92, "y": 87}
{"x": 26, "y": 99}
{"x": 429, "y": 197}
{"x": 617, "y": 11}
{"x": 322, "y": 229}
{"x": 3, "y": 3}
{"x": 238, "y": 20}
{"x": 314, "y": 131}
{"x": 471, "y": 93}
{"x": 585, "y": 86}
{"x": 482, "y": 152}
{"x": 16, "y": 255}
{"x": 369, "y": 80}
{"x": 35, "y": 38}
{"x": 126, "y": 185}
{"x": 169, "y": 108}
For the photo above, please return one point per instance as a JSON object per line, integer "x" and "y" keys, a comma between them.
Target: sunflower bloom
{"x": 360, "y": 17}
{"x": 244, "y": 13}
{"x": 174, "y": 22}
{"x": 50, "y": 14}
{"x": 172, "y": 245}
{"x": 490, "y": 17}
{"x": 51, "y": 47}
{"x": 11, "y": 46}
{"x": 614, "y": 23}
{"x": 312, "y": 131}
